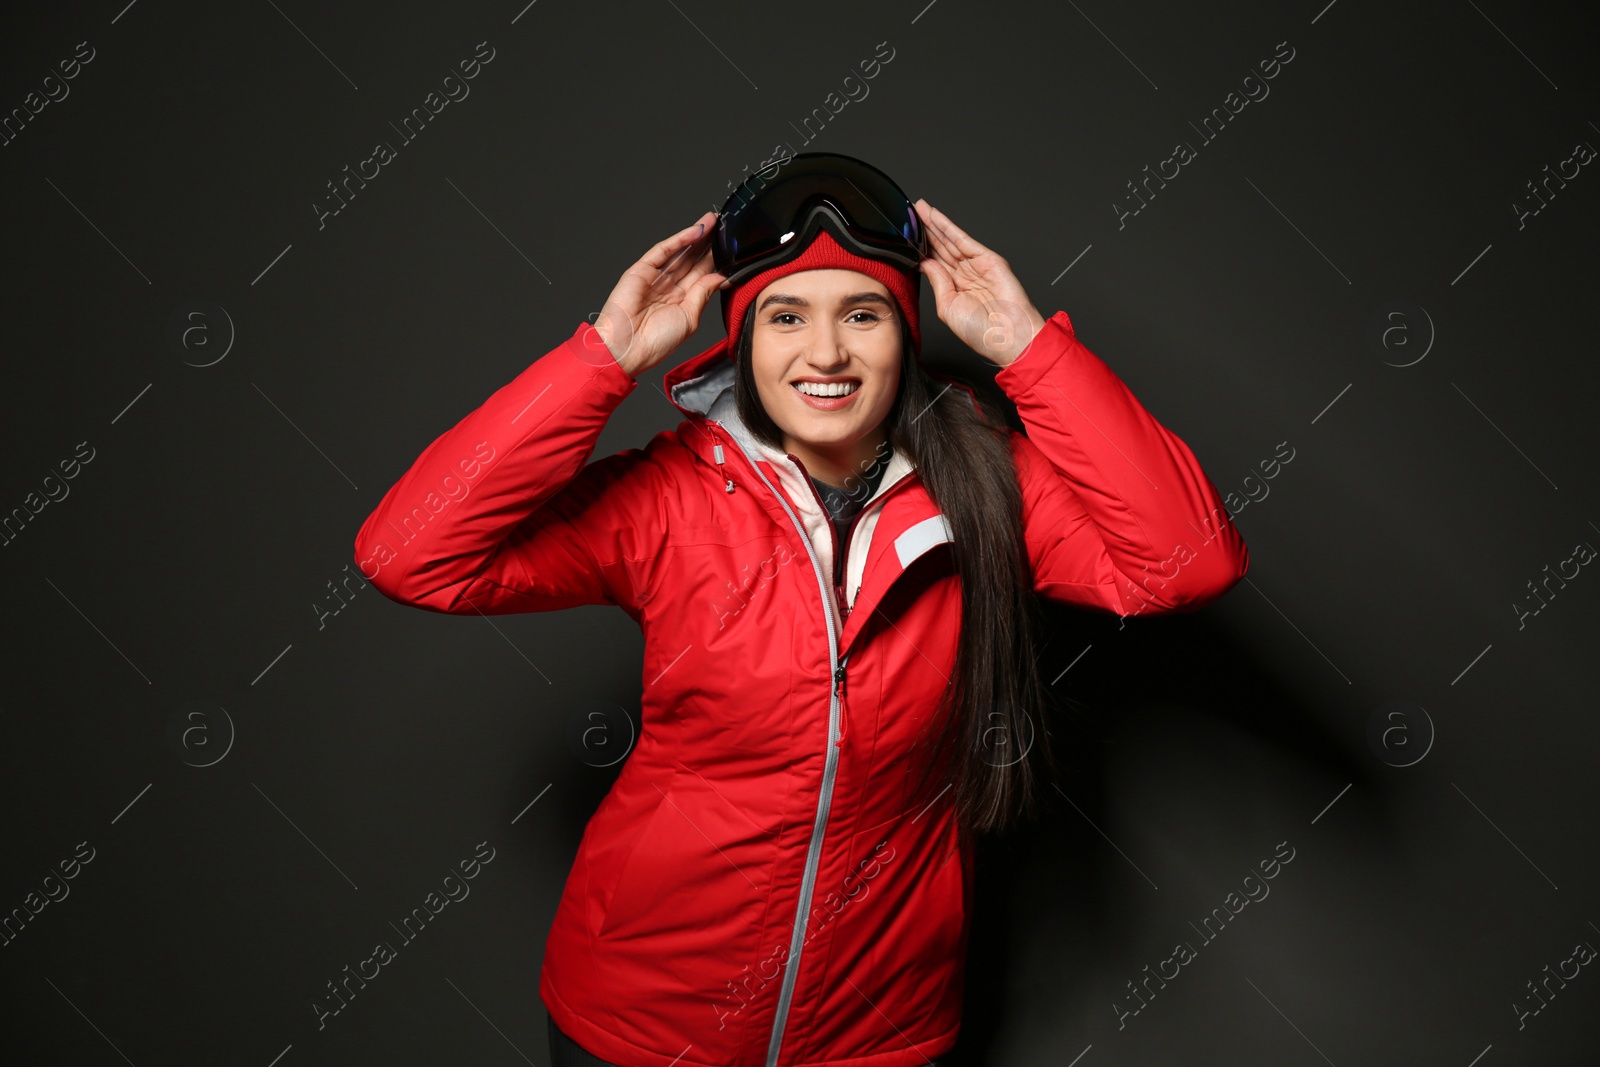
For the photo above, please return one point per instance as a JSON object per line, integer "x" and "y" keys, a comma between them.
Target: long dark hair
{"x": 992, "y": 746}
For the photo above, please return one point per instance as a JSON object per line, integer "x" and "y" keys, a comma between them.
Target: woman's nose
{"x": 826, "y": 347}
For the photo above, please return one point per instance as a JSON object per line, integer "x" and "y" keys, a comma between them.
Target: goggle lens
{"x": 765, "y": 214}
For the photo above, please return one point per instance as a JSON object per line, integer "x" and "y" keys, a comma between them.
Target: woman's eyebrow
{"x": 853, "y": 298}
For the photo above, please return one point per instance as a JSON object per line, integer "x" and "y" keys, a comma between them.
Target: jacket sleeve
{"x": 500, "y": 513}
{"x": 1117, "y": 514}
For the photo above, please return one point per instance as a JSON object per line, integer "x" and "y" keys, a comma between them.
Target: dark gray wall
{"x": 1342, "y": 269}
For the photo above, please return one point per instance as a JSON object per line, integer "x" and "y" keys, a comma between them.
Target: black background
{"x": 376, "y": 747}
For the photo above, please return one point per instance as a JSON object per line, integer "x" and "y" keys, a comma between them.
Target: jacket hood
{"x": 702, "y": 386}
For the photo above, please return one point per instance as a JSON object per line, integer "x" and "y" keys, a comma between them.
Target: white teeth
{"x": 828, "y": 389}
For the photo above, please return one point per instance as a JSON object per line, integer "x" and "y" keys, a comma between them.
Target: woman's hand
{"x": 975, "y": 292}
{"x": 656, "y": 304}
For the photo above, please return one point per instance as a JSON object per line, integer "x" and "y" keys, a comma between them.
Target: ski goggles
{"x": 770, "y": 220}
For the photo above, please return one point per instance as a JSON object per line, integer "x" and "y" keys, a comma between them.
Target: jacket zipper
{"x": 808, "y": 879}
{"x": 838, "y": 595}
{"x": 844, "y": 595}
{"x": 844, "y": 718}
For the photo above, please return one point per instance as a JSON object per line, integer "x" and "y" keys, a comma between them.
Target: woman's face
{"x": 830, "y": 331}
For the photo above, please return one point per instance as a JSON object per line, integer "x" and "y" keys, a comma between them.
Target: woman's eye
{"x": 870, "y": 316}
{"x": 780, "y": 316}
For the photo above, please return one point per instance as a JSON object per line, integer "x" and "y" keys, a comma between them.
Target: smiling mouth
{"x": 826, "y": 389}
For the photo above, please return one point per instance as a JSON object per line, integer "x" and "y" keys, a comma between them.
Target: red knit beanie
{"x": 824, "y": 252}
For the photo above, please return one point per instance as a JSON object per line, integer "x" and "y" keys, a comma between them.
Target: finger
{"x": 704, "y": 288}
{"x": 680, "y": 289}
{"x": 696, "y": 272}
{"x": 945, "y": 255}
{"x": 945, "y": 247}
{"x": 697, "y": 295}
{"x": 684, "y": 267}
{"x": 678, "y": 267}
{"x": 665, "y": 251}
{"x": 944, "y": 289}
{"x": 698, "y": 251}
{"x": 929, "y": 223}
{"x": 684, "y": 258}
{"x": 939, "y": 241}
{"x": 958, "y": 238}
{"x": 967, "y": 270}
{"x": 700, "y": 292}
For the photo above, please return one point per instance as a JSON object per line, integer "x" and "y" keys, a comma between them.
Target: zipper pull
{"x": 844, "y": 722}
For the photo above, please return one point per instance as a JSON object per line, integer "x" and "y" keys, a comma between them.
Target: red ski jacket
{"x": 756, "y": 889}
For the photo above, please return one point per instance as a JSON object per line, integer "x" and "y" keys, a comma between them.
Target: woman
{"x": 832, "y": 559}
